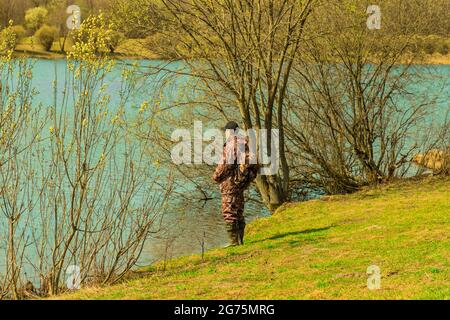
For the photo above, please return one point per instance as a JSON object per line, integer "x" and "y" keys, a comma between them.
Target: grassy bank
{"x": 320, "y": 250}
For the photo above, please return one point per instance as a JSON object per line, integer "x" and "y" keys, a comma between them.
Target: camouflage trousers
{"x": 233, "y": 207}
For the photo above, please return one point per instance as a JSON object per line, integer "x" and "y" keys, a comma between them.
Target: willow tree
{"x": 242, "y": 53}
{"x": 20, "y": 124}
{"x": 360, "y": 106}
{"x": 78, "y": 194}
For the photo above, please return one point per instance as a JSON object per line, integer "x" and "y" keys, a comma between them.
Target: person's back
{"x": 234, "y": 179}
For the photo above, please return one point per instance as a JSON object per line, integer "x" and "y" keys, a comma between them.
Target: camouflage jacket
{"x": 234, "y": 179}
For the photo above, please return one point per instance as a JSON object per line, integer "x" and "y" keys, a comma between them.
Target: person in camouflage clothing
{"x": 234, "y": 179}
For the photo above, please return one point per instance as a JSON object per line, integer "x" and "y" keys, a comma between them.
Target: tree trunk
{"x": 271, "y": 190}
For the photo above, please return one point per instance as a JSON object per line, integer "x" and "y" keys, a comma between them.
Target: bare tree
{"x": 80, "y": 192}
{"x": 242, "y": 53}
{"x": 20, "y": 125}
{"x": 355, "y": 115}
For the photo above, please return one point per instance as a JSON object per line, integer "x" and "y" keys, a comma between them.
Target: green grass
{"x": 320, "y": 249}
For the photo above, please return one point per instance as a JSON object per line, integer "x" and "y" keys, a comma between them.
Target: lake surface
{"x": 191, "y": 224}
{"x": 187, "y": 227}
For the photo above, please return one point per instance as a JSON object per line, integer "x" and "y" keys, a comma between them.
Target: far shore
{"x": 58, "y": 56}
{"x": 438, "y": 59}
{"x": 138, "y": 49}
{"x": 429, "y": 59}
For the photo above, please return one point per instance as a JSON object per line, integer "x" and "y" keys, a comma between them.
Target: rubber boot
{"x": 241, "y": 232}
{"x": 233, "y": 234}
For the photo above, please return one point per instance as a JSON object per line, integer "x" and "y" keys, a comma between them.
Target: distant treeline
{"x": 152, "y": 13}
{"x": 46, "y": 22}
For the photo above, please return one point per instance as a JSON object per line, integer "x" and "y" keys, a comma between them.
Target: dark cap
{"x": 231, "y": 126}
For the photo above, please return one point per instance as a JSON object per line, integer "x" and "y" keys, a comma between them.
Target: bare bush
{"x": 355, "y": 115}
{"x": 19, "y": 132}
{"x": 75, "y": 188}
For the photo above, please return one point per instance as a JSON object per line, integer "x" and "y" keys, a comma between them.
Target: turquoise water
{"x": 188, "y": 225}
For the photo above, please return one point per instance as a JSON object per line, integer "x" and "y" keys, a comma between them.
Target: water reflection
{"x": 188, "y": 227}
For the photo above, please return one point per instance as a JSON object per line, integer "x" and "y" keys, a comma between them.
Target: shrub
{"x": 165, "y": 46}
{"x": 35, "y": 18}
{"x": 114, "y": 39}
{"x": 19, "y": 31}
{"x": 8, "y": 40}
{"x": 46, "y": 36}
{"x": 95, "y": 36}
{"x": 429, "y": 47}
{"x": 444, "y": 49}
